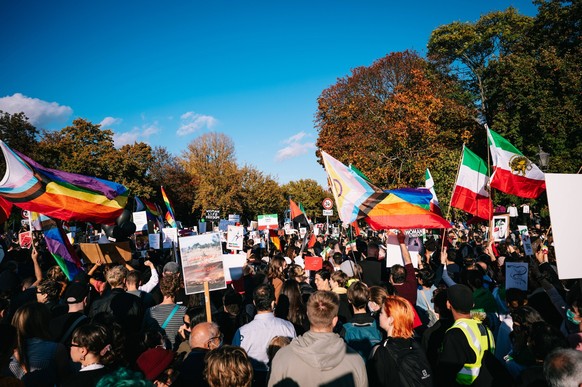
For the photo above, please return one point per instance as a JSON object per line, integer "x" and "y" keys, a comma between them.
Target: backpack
{"x": 362, "y": 336}
{"x": 411, "y": 363}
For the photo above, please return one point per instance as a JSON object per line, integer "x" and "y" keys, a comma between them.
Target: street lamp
{"x": 544, "y": 158}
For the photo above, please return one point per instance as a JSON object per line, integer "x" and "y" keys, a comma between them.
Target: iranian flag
{"x": 470, "y": 192}
{"x": 513, "y": 173}
{"x": 429, "y": 184}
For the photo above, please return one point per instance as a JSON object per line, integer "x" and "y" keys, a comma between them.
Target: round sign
{"x": 25, "y": 214}
{"x": 327, "y": 203}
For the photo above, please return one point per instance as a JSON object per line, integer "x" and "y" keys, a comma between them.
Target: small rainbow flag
{"x": 170, "y": 218}
{"x": 57, "y": 243}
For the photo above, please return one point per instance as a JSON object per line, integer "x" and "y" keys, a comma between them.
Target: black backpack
{"x": 411, "y": 363}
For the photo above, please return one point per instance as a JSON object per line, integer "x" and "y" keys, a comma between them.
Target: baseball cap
{"x": 75, "y": 293}
{"x": 171, "y": 267}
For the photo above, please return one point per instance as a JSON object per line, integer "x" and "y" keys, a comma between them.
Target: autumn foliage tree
{"x": 393, "y": 119}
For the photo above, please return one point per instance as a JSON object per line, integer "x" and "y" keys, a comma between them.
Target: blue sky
{"x": 167, "y": 72}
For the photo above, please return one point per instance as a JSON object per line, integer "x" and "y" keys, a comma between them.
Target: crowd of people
{"x": 443, "y": 317}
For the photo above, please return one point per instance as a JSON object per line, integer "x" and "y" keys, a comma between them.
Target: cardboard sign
{"x": 107, "y": 253}
{"x": 313, "y": 263}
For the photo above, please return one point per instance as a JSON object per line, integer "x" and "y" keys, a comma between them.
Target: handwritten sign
{"x": 516, "y": 275}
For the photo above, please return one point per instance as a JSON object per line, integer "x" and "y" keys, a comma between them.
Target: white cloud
{"x": 108, "y": 121}
{"x": 137, "y": 134}
{"x": 191, "y": 122}
{"x": 39, "y": 112}
{"x": 295, "y": 147}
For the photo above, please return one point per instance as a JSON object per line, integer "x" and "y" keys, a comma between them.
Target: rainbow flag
{"x": 170, "y": 218}
{"x": 57, "y": 244}
{"x": 58, "y": 194}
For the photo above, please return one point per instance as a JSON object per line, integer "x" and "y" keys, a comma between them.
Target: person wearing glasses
{"x": 204, "y": 337}
{"x": 90, "y": 346}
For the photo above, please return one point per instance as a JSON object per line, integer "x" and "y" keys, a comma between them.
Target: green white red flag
{"x": 470, "y": 193}
{"x": 513, "y": 173}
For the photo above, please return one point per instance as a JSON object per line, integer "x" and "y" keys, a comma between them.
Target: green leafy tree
{"x": 133, "y": 163}
{"x": 260, "y": 194}
{"x": 18, "y": 133}
{"x": 308, "y": 192}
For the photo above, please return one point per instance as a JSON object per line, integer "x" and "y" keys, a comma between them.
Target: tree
{"x": 393, "y": 119}
{"x": 133, "y": 163}
{"x": 167, "y": 170}
{"x": 467, "y": 49}
{"x": 260, "y": 194}
{"x": 211, "y": 162}
{"x": 82, "y": 148}
{"x": 17, "y": 132}
{"x": 308, "y": 192}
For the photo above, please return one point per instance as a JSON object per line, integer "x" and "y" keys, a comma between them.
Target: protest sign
{"x": 393, "y": 252}
{"x": 313, "y": 263}
{"x": 234, "y": 218}
{"x": 233, "y": 266}
{"x": 107, "y": 252}
{"x": 223, "y": 224}
{"x": 516, "y": 275}
{"x": 525, "y": 240}
{"x": 234, "y": 238}
{"x": 170, "y": 236}
{"x": 25, "y": 239}
{"x": 141, "y": 222}
{"x": 142, "y": 242}
{"x": 268, "y": 221}
{"x": 154, "y": 241}
{"x": 302, "y": 231}
{"x": 201, "y": 257}
{"x": 212, "y": 215}
{"x": 500, "y": 227}
{"x": 565, "y": 206}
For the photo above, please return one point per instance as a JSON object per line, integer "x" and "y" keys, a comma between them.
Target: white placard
{"x": 393, "y": 253}
{"x": 234, "y": 238}
{"x": 565, "y": 212}
{"x": 302, "y": 231}
{"x": 154, "y": 241}
{"x": 268, "y": 221}
{"x": 327, "y": 212}
{"x": 170, "y": 235}
{"x": 141, "y": 221}
{"x": 516, "y": 275}
{"x": 233, "y": 266}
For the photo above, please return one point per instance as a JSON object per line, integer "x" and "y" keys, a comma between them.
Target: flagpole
{"x": 491, "y": 193}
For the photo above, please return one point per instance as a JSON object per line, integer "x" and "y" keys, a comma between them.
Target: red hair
{"x": 401, "y": 311}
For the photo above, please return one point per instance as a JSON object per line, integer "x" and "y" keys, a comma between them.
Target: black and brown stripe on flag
{"x": 297, "y": 215}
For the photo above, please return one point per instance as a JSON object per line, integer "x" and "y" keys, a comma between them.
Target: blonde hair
{"x": 115, "y": 276}
{"x": 228, "y": 366}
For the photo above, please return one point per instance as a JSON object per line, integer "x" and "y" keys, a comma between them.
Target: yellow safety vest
{"x": 477, "y": 336}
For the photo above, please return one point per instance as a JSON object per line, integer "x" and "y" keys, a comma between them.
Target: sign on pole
{"x": 327, "y": 203}
{"x": 234, "y": 239}
{"x": 327, "y": 212}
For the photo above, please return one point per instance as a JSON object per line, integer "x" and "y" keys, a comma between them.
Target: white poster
{"x": 268, "y": 221}
{"x": 170, "y": 235}
{"x": 393, "y": 253}
{"x": 141, "y": 221}
{"x": 516, "y": 275}
{"x": 234, "y": 238}
{"x": 233, "y": 266}
{"x": 565, "y": 212}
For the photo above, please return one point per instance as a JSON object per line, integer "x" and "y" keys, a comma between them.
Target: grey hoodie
{"x": 315, "y": 359}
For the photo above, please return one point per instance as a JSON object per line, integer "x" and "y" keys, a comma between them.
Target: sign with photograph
{"x": 201, "y": 257}
{"x": 500, "y": 227}
{"x": 525, "y": 240}
{"x": 25, "y": 240}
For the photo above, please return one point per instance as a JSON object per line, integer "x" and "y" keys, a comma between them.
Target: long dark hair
{"x": 30, "y": 321}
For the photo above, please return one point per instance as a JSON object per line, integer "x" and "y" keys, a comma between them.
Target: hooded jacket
{"x": 316, "y": 359}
